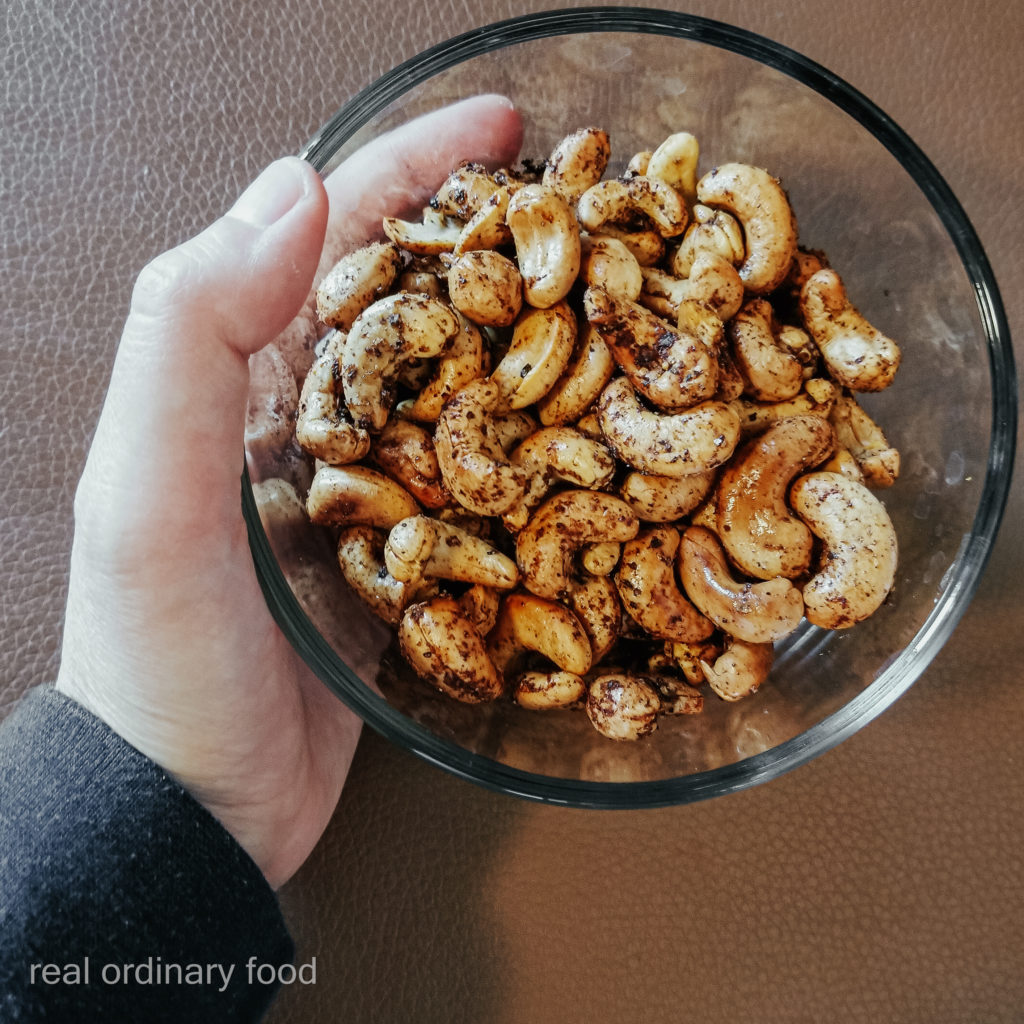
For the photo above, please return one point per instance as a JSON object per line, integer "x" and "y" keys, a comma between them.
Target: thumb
{"x": 171, "y": 428}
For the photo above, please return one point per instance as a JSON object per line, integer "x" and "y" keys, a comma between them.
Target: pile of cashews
{"x": 594, "y": 442}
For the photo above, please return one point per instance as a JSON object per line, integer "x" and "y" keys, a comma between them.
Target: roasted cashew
{"x": 816, "y": 399}
{"x": 422, "y": 282}
{"x": 600, "y": 559}
{"x": 757, "y": 200}
{"x": 557, "y": 454}
{"x": 473, "y": 465}
{"x": 772, "y": 372}
{"x": 689, "y": 658}
{"x": 859, "y": 434}
{"x": 619, "y": 200}
{"x": 650, "y": 592}
{"x": 857, "y": 355}
{"x": 428, "y": 237}
{"x": 530, "y": 623}
{"x": 547, "y": 242}
{"x": 361, "y": 560}
{"x": 623, "y": 706}
{"x": 637, "y": 163}
{"x": 445, "y": 648}
{"x": 713, "y": 232}
{"x": 351, "y": 495}
{"x": 405, "y": 450}
{"x": 461, "y": 361}
{"x": 695, "y": 441}
{"x": 546, "y": 691}
{"x": 541, "y": 347}
{"x": 859, "y": 564}
{"x": 646, "y": 244}
{"x": 672, "y": 367}
{"x": 356, "y": 281}
{"x": 676, "y": 697}
{"x": 480, "y": 604}
{"x": 323, "y": 427}
{"x": 420, "y": 547}
{"x": 577, "y": 162}
{"x": 510, "y": 429}
{"x": 664, "y": 499}
{"x": 546, "y": 545}
{"x": 713, "y": 282}
{"x": 740, "y": 670}
{"x": 674, "y": 162}
{"x": 606, "y": 263}
{"x": 391, "y": 331}
{"x": 595, "y": 601}
{"x": 464, "y": 191}
{"x": 487, "y": 228}
{"x": 486, "y": 287}
{"x": 759, "y": 613}
{"x": 590, "y": 368}
{"x": 762, "y": 537}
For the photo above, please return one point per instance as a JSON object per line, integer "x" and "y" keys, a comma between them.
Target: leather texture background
{"x": 882, "y": 882}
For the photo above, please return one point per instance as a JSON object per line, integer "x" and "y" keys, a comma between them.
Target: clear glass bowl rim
{"x": 949, "y": 608}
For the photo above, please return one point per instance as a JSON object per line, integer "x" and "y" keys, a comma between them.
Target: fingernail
{"x": 272, "y": 194}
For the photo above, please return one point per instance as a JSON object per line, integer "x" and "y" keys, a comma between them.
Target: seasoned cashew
{"x": 428, "y": 237}
{"x": 480, "y": 604}
{"x": 600, "y": 559}
{"x": 445, "y": 648}
{"x": 650, "y": 592}
{"x": 510, "y": 429}
{"x": 355, "y": 282}
{"x": 542, "y": 344}
{"x": 762, "y": 537}
{"x": 619, "y": 200}
{"x": 816, "y": 399}
{"x": 740, "y": 670}
{"x": 674, "y": 162}
{"x": 545, "y": 691}
{"x": 857, "y": 432}
{"x": 713, "y": 282}
{"x": 695, "y": 441}
{"x": 712, "y": 232}
{"x": 589, "y": 369}
{"x": 351, "y": 495}
{"x": 391, "y": 331}
{"x": 461, "y": 361}
{"x": 595, "y": 601}
{"x": 530, "y": 623}
{"x": 623, "y": 706}
{"x": 841, "y": 461}
{"x": 637, "y": 163}
{"x": 464, "y": 191}
{"x": 857, "y": 355}
{"x": 607, "y": 263}
{"x": 673, "y": 367}
{"x": 473, "y": 465}
{"x": 422, "y": 282}
{"x": 546, "y": 546}
{"x": 486, "y": 287}
{"x": 323, "y": 427}
{"x": 757, "y": 200}
{"x": 555, "y": 454}
{"x": 664, "y": 499}
{"x": 689, "y": 658}
{"x": 547, "y": 242}
{"x": 772, "y": 372}
{"x": 759, "y": 613}
{"x": 676, "y": 696}
{"x": 577, "y": 162}
{"x": 405, "y": 450}
{"x": 487, "y": 228}
{"x": 646, "y": 244}
{"x": 420, "y": 547}
{"x": 361, "y": 560}
{"x": 858, "y": 567}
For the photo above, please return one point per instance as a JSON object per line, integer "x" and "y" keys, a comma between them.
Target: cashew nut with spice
{"x": 547, "y": 243}
{"x": 858, "y": 567}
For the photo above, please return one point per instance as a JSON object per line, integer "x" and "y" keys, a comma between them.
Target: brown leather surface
{"x": 884, "y": 881}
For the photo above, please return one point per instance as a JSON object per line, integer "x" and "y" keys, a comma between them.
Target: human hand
{"x": 167, "y": 636}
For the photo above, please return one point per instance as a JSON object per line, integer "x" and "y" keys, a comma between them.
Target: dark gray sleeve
{"x": 109, "y": 869}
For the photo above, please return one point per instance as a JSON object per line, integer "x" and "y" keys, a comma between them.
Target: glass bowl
{"x": 863, "y": 192}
